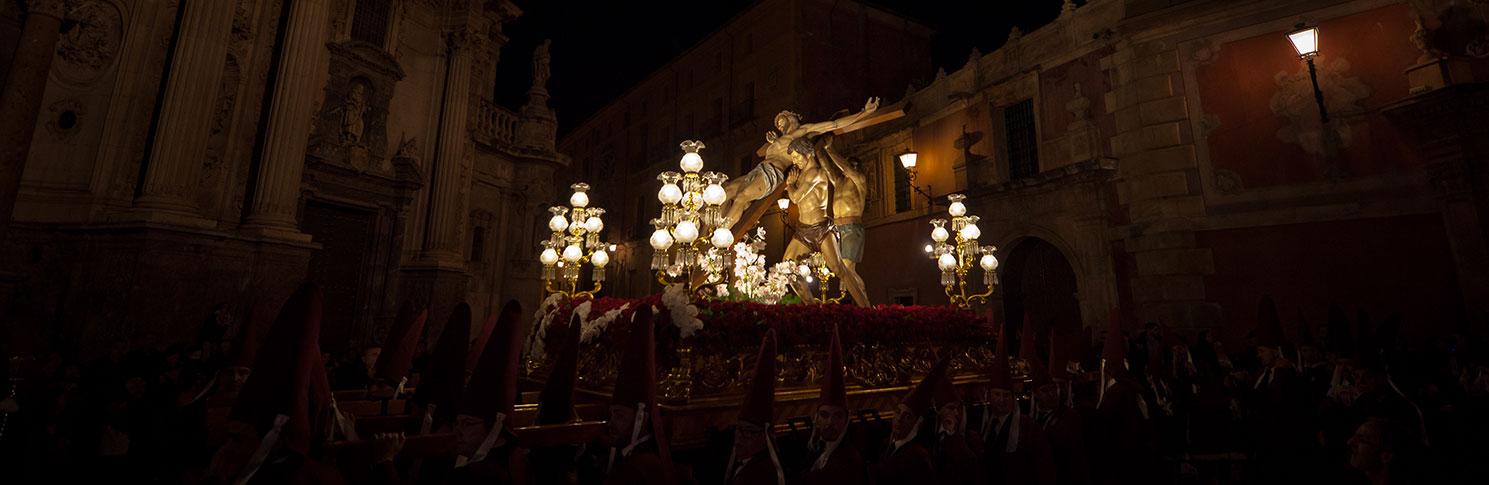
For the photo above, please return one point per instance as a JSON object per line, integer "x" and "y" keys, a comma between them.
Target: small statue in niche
{"x": 540, "y": 65}
{"x": 353, "y": 108}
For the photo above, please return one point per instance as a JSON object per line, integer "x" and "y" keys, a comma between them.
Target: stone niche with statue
{"x": 351, "y": 128}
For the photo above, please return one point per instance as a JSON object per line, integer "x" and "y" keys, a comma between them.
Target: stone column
{"x": 21, "y": 100}
{"x": 445, "y": 212}
{"x": 182, "y": 130}
{"x": 276, "y": 194}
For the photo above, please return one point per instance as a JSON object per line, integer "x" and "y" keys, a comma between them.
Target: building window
{"x": 641, "y": 225}
{"x": 1023, "y": 148}
{"x": 901, "y": 186}
{"x": 745, "y": 110}
{"x": 477, "y": 243}
{"x": 370, "y": 22}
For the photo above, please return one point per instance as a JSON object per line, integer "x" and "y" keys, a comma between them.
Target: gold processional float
{"x": 721, "y": 296}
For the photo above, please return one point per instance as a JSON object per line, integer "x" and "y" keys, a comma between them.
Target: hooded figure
{"x": 391, "y": 373}
{"x": 1127, "y": 454}
{"x": 832, "y": 459}
{"x": 485, "y": 444}
{"x": 639, "y": 453}
{"x": 558, "y": 463}
{"x": 955, "y": 456}
{"x": 907, "y": 460}
{"x": 443, "y": 377}
{"x": 753, "y": 459}
{"x": 1014, "y": 448}
{"x": 1276, "y": 414}
{"x": 1062, "y": 426}
{"x": 274, "y": 418}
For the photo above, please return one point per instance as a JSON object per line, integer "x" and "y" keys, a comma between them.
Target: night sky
{"x": 603, "y": 47}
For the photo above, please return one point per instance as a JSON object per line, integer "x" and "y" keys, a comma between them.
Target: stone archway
{"x": 1039, "y": 280}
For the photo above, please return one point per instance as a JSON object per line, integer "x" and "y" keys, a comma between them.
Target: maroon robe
{"x": 1064, "y": 431}
{"x": 909, "y": 464}
{"x": 1126, "y": 455}
{"x": 844, "y": 467}
{"x": 760, "y": 470}
{"x": 642, "y": 466}
{"x": 1029, "y": 463}
{"x": 957, "y": 462}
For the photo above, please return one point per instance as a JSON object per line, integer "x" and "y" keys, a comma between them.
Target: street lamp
{"x": 955, "y": 250}
{"x": 1305, "y": 41}
{"x": 574, "y": 242}
{"x": 909, "y": 159}
{"x": 691, "y": 234}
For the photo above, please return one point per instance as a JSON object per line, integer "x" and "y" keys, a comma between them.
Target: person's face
{"x": 830, "y": 422}
{"x": 785, "y": 123}
{"x": 622, "y": 419}
{"x": 1366, "y": 452}
{"x": 469, "y": 433}
{"x": 749, "y": 439}
{"x": 1047, "y": 396}
{"x": 369, "y": 356}
{"x": 904, "y": 422}
{"x": 951, "y": 417}
{"x": 1310, "y": 354}
{"x": 1001, "y": 402}
{"x": 1266, "y": 355}
{"x": 798, "y": 160}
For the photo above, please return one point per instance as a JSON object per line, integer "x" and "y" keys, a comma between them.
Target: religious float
{"x": 721, "y": 296}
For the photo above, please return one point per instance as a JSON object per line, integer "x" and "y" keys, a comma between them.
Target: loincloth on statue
{"x": 812, "y": 235}
{"x": 773, "y": 176}
{"x": 850, "y": 241}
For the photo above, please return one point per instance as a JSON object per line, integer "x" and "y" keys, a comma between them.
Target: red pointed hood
{"x": 493, "y": 384}
{"x": 1026, "y": 339}
{"x": 282, "y": 372}
{"x": 999, "y": 376}
{"x": 443, "y": 376}
{"x": 1113, "y": 349}
{"x": 922, "y": 396}
{"x": 946, "y": 392}
{"x": 759, "y": 399}
{"x": 834, "y": 391}
{"x": 1059, "y": 356}
{"x": 556, "y": 402}
{"x": 1305, "y": 331}
{"x": 636, "y": 380}
{"x": 402, "y": 342}
{"x": 246, "y": 346}
{"x": 1268, "y": 324}
{"x": 1341, "y": 340}
{"x": 479, "y": 344}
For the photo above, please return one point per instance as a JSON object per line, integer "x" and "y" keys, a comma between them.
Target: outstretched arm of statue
{"x": 826, "y": 126}
{"x": 839, "y": 171}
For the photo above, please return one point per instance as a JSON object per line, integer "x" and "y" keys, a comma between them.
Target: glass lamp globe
{"x": 669, "y": 194}
{"x": 1304, "y": 40}
{"x": 661, "y": 240}
{"x": 600, "y": 258}
{"x": 714, "y": 194}
{"x": 939, "y": 234}
{"x": 909, "y": 159}
{"x": 558, "y": 223}
{"x": 783, "y": 203}
{"x": 579, "y": 199}
{"x": 691, "y": 162}
{"x": 957, "y": 209}
{"x": 548, "y": 257}
{"x": 946, "y": 262}
{"x": 988, "y": 262}
{"x": 572, "y": 253}
{"x": 722, "y": 238}
{"x": 970, "y": 232}
{"x": 686, "y": 232}
{"x": 594, "y": 224}
{"x": 929, "y": 249}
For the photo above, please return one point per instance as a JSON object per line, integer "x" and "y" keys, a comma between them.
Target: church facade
{"x": 186, "y": 158}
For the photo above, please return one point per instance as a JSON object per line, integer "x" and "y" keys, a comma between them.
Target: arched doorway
{"x": 1038, "y": 280}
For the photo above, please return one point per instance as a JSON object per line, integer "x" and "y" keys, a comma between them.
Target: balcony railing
{"x": 495, "y": 125}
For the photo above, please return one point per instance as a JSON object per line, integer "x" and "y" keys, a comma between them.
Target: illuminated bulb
{"x": 548, "y": 257}
{"x": 809, "y": 279}
{"x": 669, "y": 194}
{"x": 970, "y": 232}
{"x": 946, "y": 262}
{"x": 686, "y": 232}
{"x": 691, "y": 162}
{"x": 612, "y": 248}
{"x": 957, "y": 209}
{"x": 783, "y": 203}
{"x": 579, "y": 199}
{"x": 929, "y": 249}
{"x": 594, "y": 224}
{"x": 714, "y": 194}
{"x": 804, "y": 271}
{"x": 988, "y": 262}
{"x": 558, "y": 223}
{"x": 661, "y": 240}
{"x": 572, "y": 253}
{"x": 939, "y": 234}
{"x": 722, "y": 238}
{"x": 599, "y": 258}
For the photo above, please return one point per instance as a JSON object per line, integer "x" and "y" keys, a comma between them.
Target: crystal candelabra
{"x": 956, "y": 250}
{"x": 814, "y": 266}
{"x": 575, "y": 242}
{"x": 691, "y": 235}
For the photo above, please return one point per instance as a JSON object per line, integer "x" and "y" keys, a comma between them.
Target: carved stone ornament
{"x": 1294, "y": 101}
{"x": 89, "y": 48}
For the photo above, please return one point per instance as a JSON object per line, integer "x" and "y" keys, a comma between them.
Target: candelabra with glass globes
{"x": 956, "y": 250}
{"x": 691, "y": 236}
{"x": 575, "y": 242}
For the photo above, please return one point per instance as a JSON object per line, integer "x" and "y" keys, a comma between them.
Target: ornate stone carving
{"x": 353, "y": 107}
{"x": 89, "y": 48}
{"x": 540, "y": 66}
{"x": 64, "y": 117}
{"x": 1294, "y": 101}
{"x": 1228, "y": 182}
